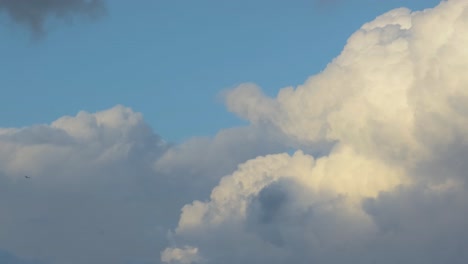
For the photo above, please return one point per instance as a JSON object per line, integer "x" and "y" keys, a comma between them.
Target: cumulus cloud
{"x": 91, "y": 184}
{"x": 104, "y": 188}
{"x": 379, "y": 174}
{"x": 34, "y": 13}
{"x": 392, "y": 189}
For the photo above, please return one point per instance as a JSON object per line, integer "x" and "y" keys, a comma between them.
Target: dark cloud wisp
{"x": 34, "y": 13}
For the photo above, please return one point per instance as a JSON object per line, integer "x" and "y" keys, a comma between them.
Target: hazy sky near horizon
{"x": 256, "y": 132}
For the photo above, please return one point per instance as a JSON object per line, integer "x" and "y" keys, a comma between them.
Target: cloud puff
{"x": 386, "y": 86}
{"x": 186, "y": 255}
{"x": 33, "y": 14}
{"x": 393, "y": 187}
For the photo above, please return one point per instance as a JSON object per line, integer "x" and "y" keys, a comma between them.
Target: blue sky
{"x": 170, "y": 59}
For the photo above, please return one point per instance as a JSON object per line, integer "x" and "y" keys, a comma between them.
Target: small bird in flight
{"x": 27, "y": 177}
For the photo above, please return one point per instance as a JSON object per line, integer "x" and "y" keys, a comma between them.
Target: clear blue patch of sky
{"x": 169, "y": 59}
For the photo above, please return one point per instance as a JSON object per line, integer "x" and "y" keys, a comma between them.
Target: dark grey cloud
{"x": 422, "y": 224}
{"x": 266, "y": 211}
{"x": 34, "y": 13}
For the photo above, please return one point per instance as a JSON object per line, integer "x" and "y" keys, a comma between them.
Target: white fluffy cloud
{"x": 391, "y": 190}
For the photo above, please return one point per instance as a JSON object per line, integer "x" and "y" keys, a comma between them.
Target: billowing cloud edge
{"x": 394, "y": 103}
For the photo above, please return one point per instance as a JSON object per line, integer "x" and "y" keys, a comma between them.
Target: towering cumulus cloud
{"x": 394, "y": 104}
{"x": 379, "y": 175}
{"x": 33, "y": 13}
